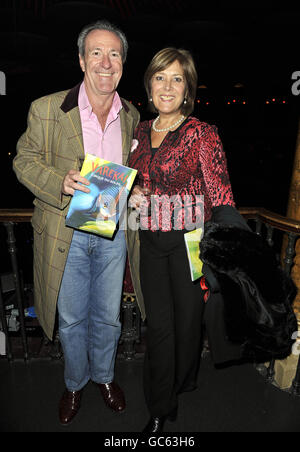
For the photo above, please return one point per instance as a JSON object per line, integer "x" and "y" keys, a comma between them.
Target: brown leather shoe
{"x": 69, "y": 406}
{"x": 113, "y": 396}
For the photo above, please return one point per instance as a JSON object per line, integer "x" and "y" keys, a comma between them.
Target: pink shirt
{"x": 106, "y": 144}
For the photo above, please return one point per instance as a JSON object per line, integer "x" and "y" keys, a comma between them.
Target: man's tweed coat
{"x": 50, "y": 147}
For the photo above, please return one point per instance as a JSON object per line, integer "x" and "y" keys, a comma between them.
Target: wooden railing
{"x": 274, "y": 221}
{"x": 15, "y": 215}
{"x": 131, "y": 322}
{"x": 256, "y": 213}
{"x": 270, "y": 218}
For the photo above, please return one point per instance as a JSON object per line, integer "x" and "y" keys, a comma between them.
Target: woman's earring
{"x": 150, "y": 100}
{"x": 185, "y": 101}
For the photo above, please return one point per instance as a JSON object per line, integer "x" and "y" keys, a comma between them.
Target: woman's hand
{"x": 137, "y": 197}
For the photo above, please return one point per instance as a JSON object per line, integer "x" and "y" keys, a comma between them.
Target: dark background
{"x": 245, "y": 52}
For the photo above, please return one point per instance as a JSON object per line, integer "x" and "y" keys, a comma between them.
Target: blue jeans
{"x": 89, "y": 308}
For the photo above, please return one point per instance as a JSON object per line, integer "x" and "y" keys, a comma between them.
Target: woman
{"x": 182, "y": 159}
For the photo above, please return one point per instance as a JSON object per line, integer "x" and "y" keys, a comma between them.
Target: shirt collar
{"x": 84, "y": 103}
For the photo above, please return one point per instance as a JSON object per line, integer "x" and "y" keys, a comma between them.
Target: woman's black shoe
{"x": 156, "y": 424}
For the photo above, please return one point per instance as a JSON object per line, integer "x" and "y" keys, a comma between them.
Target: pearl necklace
{"x": 167, "y": 128}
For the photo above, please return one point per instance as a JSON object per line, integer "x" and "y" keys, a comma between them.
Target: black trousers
{"x": 174, "y": 309}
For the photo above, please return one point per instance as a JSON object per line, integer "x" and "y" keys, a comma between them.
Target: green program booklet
{"x": 192, "y": 243}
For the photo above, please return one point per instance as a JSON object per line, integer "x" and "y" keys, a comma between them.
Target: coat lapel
{"x": 70, "y": 121}
{"x": 126, "y": 129}
{"x": 71, "y": 125}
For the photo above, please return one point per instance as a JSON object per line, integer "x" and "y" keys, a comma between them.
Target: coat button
{"x": 61, "y": 250}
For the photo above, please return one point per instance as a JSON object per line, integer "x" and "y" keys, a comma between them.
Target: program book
{"x": 99, "y": 211}
{"x": 192, "y": 243}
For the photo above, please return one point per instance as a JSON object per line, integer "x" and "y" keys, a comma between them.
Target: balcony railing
{"x": 272, "y": 222}
{"x": 262, "y": 221}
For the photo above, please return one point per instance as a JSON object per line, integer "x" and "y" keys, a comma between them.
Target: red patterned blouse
{"x": 188, "y": 174}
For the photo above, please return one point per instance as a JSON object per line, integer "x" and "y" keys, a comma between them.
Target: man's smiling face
{"x": 102, "y": 62}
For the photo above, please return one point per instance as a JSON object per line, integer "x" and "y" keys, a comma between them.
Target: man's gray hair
{"x": 102, "y": 25}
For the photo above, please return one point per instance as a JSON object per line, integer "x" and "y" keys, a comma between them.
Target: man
{"x": 78, "y": 272}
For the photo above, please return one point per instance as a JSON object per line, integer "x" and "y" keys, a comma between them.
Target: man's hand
{"x": 71, "y": 183}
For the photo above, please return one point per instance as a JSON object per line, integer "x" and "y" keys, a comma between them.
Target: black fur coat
{"x": 254, "y": 295}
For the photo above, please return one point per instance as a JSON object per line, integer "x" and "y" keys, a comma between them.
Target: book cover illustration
{"x": 99, "y": 211}
{"x": 192, "y": 243}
